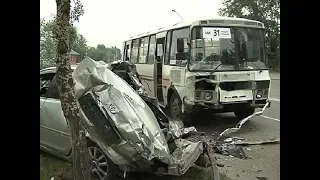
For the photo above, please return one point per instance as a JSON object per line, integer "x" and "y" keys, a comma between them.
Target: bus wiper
{"x": 255, "y": 58}
{"x": 214, "y": 70}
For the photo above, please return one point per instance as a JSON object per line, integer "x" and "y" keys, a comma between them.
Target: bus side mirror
{"x": 180, "y": 45}
{"x": 182, "y": 56}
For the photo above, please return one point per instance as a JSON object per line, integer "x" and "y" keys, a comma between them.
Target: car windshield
{"x": 224, "y": 48}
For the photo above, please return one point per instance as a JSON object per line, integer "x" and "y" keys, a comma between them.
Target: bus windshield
{"x": 224, "y": 48}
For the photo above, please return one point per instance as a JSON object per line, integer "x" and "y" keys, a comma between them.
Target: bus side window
{"x": 124, "y": 51}
{"x": 167, "y": 53}
{"x": 134, "y": 51}
{"x": 152, "y": 49}
{"x": 180, "y": 33}
{"x": 128, "y": 51}
{"x": 143, "y": 52}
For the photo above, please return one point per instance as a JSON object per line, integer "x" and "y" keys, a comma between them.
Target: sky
{"x": 110, "y": 22}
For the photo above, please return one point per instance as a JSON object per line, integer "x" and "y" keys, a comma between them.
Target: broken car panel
{"x": 131, "y": 130}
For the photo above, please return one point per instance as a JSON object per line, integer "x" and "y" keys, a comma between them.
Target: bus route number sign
{"x": 216, "y": 33}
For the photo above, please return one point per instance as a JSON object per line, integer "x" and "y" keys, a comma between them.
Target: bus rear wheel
{"x": 175, "y": 110}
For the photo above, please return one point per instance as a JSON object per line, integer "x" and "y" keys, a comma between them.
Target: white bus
{"x": 217, "y": 64}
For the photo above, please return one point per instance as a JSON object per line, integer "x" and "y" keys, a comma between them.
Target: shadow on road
{"x": 194, "y": 173}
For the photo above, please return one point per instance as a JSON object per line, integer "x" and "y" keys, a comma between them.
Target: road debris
{"x": 239, "y": 125}
{"x": 238, "y": 138}
{"x": 228, "y": 140}
{"x": 231, "y": 150}
{"x": 275, "y": 141}
{"x": 256, "y": 169}
{"x": 248, "y": 149}
{"x": 262, "y": 178}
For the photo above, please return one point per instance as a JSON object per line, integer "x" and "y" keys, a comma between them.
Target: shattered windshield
{"x": 224, "y": 48}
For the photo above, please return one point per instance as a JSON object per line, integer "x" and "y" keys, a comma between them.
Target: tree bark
{"x": 66, "y": 91}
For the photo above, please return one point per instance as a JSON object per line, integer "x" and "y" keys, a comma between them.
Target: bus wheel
{"x": 175, "y": 111}
{"x": 244, "y": 112}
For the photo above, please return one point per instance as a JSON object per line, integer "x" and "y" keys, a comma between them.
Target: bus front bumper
{"x": 191, "y": 106}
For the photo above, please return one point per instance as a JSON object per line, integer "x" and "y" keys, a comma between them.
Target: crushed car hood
{"x": 132, "y": 118}
{"x": 124, "y": 126}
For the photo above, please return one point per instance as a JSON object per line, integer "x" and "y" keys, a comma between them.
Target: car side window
{"x": 53, "y": 91}
{"x": 45, "y": 81}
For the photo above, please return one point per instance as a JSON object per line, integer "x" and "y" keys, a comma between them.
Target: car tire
{"x": 102, "y": 168}
{"x": 243, "y": 112}
{"x": 175, "y": 110}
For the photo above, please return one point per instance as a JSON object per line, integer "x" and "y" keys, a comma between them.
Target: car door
{"x": 54, "y": 131}
{"x": 45, "y": 79}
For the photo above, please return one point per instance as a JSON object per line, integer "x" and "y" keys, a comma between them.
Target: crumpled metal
{"x": 131, "y": 70}
{"x": 134, "y": 120}
{"x": 176, "y": 130}
{"x": 184, "y": 156}
{"x": 231, "y": 149}
{"x": 141, "y": 138}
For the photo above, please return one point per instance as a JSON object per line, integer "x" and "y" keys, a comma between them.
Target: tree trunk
{"x": 65, "y": 86}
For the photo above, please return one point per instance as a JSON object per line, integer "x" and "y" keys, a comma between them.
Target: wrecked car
{"x": 127, "y": 130}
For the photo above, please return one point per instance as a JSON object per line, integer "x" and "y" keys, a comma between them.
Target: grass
{"x": 50, "y": 167}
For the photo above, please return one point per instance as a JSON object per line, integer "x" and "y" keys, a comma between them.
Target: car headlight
{"x": 259, "y": 94}
{"x": 208, "y": 96}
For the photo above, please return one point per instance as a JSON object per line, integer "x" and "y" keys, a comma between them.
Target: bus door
{"x": 143, "y": 56}
{"x": 160, "y": 44}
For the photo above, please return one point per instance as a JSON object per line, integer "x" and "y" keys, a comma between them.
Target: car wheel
{"x": 175, "y": 111}
{"x": 101, "y": 166}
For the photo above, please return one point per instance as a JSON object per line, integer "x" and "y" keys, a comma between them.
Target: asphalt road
{"x": 264, "y": 160}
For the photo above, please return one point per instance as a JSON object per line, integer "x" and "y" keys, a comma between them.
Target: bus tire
{"x": 175, "y": 110}
{"x": 243, "y": 112}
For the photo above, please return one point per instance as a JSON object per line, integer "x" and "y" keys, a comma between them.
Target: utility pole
{"x": 178, "y": 15}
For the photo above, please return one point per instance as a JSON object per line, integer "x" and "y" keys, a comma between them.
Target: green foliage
{"x": 78, "y": 43}
{"x": 265, "y": 11}
{"x": 102, "y": 53}
{"x": 76, "y": 11}
{"x": 48, "y": 42}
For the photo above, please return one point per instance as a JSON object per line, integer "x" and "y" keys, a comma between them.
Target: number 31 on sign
{"x": 216, "y": 33}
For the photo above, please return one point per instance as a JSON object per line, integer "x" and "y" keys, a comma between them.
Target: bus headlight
{"x": 208, "y": 96}
{"x": 259, "y": 94}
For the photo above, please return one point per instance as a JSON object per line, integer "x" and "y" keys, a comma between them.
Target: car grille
{"x": 102, "y": 123}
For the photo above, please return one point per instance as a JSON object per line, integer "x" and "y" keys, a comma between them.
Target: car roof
{"x": 53, "y": 69}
